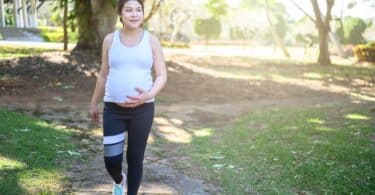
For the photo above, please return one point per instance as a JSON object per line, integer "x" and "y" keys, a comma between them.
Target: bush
{"x": 352, "y": 31}
{"x": 55, "y": 34}
{"x": 365, "y": 52}
{"x": 208, "y": 28}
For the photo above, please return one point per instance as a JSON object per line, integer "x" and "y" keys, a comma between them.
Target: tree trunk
{"x": 65, "y": 26}
{"x": 276, "y": 36}
{"x": 179, "y": 21}
{"x": 323, "y": 58}
{"x": 323, "y": 29}
{"x": 95, "y": 19}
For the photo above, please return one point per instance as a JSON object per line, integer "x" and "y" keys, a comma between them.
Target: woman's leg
{"x": 138, "y": 131}
{"x": 114, "y": 127}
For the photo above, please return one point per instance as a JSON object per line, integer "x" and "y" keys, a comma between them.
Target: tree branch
{"x": 306, "y": 14}
{"x": 317, "y": 12}
{"x": 327, "y": 19}
{"x": 154, "y": 8}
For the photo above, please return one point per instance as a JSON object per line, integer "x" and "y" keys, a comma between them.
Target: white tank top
{"x": 129, "y": 68}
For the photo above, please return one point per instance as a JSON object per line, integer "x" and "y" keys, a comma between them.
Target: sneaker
{"x": 119, "y": 189}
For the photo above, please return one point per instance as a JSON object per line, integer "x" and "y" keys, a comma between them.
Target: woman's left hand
{"x": 138, "y": 100}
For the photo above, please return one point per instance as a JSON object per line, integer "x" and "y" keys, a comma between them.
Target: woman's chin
{"x": 133, "y": 25}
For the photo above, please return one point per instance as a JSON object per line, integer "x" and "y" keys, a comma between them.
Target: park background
{"x": 263, "y": 97}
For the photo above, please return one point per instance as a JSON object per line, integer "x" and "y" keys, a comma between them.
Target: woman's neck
{"x": 131, "y": 32}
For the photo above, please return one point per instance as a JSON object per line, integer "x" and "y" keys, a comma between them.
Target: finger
{"x": 139, "y": 90}
{"x": 133, "y": 97}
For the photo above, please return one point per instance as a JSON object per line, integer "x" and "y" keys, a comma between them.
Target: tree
{"x": 217, "y": 8}
{"x": 323, "y": 26}
{"x": 208, "y": 28}
{"x": 275, "y": 34}
{"x": 97, "y": 18}
{"x": 354, "y": 28}
{"x": 276, "y": 10}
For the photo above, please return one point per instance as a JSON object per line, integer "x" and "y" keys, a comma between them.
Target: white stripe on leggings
{"x": 114, "y": 138}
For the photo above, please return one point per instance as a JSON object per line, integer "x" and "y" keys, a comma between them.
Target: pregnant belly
{"x": 118, "y": 89}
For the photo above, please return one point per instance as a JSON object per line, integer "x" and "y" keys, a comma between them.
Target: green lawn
{"x": 56, "y": 34}
{"x": 33, "y": 155}
{"x": 17, "y": 51}
{"x": 314, "y": 150}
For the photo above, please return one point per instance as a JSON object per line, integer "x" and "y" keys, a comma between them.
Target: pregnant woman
{"x": 126, "y": 82}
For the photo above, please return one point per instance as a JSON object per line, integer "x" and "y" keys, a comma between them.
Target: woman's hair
{"x": 121, "y": 4}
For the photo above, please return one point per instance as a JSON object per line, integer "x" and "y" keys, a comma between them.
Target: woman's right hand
{"x": 94, "y": 113}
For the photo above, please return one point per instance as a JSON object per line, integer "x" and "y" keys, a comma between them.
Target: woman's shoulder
{"x": 153, "y": 39}
{"x": 109, "y": 38}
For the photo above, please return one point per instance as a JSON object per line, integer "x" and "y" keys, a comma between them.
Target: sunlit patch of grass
{"x": 31, "y": 153}
{"x": 315, "y": 120}
{"x": 356, "y": 116}
{"x": 20, "y": 51}
{"x": 289, "y": 151}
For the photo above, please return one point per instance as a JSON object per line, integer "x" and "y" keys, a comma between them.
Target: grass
{"x": 285, "y": 151}
{"x": 20, "y": 51}
{"x": 263, "y": 68}
{"x": 33, "y": 155}
{"x": 56, "y": 34}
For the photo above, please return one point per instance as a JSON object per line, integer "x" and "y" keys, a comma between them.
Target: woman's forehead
{"x": 132, "y": 4}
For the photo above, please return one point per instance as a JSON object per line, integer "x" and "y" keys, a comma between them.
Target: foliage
{"x": 208, "y": 28}
{"x": 365, "y": 52}
{"x": 9, "y": 19}
{"x": 351, "y": 32}
{"x": 217, "y": 8}
{"x": 58, "y": 15}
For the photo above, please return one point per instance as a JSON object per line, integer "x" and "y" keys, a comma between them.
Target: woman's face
{"x": 132, "y": 14}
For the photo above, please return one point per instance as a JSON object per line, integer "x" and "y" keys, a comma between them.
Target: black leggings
{"x": 137, "y": 122}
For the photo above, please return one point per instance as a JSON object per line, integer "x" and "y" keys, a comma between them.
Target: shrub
{"x": 365, "y": 52}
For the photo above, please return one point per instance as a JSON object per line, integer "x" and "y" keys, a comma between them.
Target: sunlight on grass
{"x": 356, "y": 116}
{"x": 31, "y": 155}
{"x": 316, "y": 121}
{"x": 293, "y": 153}
{"x": 203, "y": 132}
{"x": 313, "y": 75}
{"x": 20, "y": 51}
{"x": 36, "y": 180}
{"x": 7, "y": 163}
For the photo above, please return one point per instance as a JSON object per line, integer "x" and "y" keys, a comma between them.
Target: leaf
{"x": 218, "y": 165}
{"x": 217, "y": 157}
{"x": 23, "y": 130}
{"x": 73, "y": 153}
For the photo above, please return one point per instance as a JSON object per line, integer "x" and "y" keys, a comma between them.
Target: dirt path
{"x": 57, "y": 87}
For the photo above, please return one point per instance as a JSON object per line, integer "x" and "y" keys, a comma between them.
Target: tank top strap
{"x": 117, "y": 37}
{"x": 145, "y": 37}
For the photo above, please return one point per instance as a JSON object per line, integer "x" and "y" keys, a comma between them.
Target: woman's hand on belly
{"x": 134, "y": 101}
